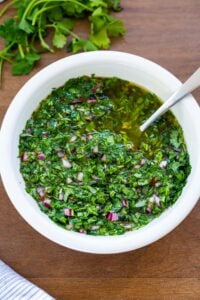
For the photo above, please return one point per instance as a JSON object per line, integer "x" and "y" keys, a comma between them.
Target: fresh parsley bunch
{"x": 35, "y": 20}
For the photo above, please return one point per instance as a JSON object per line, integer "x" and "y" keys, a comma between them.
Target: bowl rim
{"x": 73, "y": 240}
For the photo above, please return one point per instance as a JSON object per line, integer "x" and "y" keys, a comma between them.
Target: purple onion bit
{"x": 69, "y": 180}
{"x": 73, "y": 139}
{"x": 47, "y": 202}
{"x": 95, "y": 227}
{"x": 149, "y": 208}
{"x": 163, "y": 164}
{"x": 112, "y": 216}
{"x": 41, "y": 156}
{"x": 89, "y": 119}
{"x": 61, "y": 196}
{"x": 82, "y": 231}
{"x": 89, "y": 137}
{"x": 103, "y": 157}
{"x": 155, "y": 199}
{"x": 80, "y": 176}
{"x": 68, "y": 212}
{"x": 91, "y": 100}
{"x": 40, "y": 191}
{"x": 124, "y": 203}
{"x": 96, "y": 149}
{"x": 28, "y": 130}
{"x": 137, "y": 166}
{"x": 45, "y": 133}
{"x": 66, "y": 163}
{"x": 61, "y": 153}
{"x": 127, "y": 226}
{"x": 76, "y": 101}
{"x": 83, "y": 138}
{"x": 24, "y": 157}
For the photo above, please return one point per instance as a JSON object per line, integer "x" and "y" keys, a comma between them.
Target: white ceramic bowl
{"x": 101, "y": 63}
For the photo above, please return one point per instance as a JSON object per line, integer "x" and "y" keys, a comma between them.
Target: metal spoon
{"x": 190, "y": 85}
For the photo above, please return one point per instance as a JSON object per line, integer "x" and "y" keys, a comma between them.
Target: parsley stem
{"x": 39, "y": 12}
{"x": 42, "y": 41}
{"x": 69, "y": 31}
{"x": 21, "y": 51}
{"x": 4, "y": 53}
{"x": 36, "y": 2}
{"x": 28, "y": 8}
{"x": 5, "y": 58}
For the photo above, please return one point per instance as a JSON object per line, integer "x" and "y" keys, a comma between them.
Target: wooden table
{"x": 167, "y": 32}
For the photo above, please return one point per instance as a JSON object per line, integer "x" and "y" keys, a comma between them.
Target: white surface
{"x": 102, "y": 63}
{"x": 190, "y": 85}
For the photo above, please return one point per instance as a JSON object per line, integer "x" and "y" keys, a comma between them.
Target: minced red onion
{"x": 91, "y": 100}
{"x": 103, "y": 157}
{"x": 24, "y": 157}
{"x": 127, "y": 226}
{"x": 66, "y": 163}
{"x": 112, "y": 216}
{"x": 73, "y": 139}
{"x": 80, "y": 176}
{"x": 149, "y": 208}
{"x": 28, "y": 130}
{"x": 47, "y": 202}
{"x": 124, "y": 202}
{"x": 90, "y": 137}
{"x": 82, "y": 231}
{"x": 76, "y": 101}
{"x": 96, "y": 149}
{"x": 89, "y": 119}
{"x": 163, "y": 164}
{"x": 69, "y": 180}
{"x": 155, "y": 199}
{"x": 40, "y": 191}
{"x": 95, "y": 227}
{"x": 61, "y": 153}
{"x": 41, "y": 156}
{"x": 83, "y": 138}
{"x": 61, "y": 196}
{"x": 45, "y": 133}
{"x": 68, "y": 212}
{"x": 151, "y": 199}
{"x": 137, "y": 166}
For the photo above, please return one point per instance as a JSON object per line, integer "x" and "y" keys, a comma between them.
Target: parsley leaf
{"x": 27, "y": 32}
{"x": 77, "y": 45}
{"x": 59, "y": 39}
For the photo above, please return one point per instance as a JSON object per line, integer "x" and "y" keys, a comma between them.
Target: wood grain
{"x": 167, "y": 32}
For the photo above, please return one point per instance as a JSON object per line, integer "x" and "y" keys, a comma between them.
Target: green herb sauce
{"x": 88, "y": 166}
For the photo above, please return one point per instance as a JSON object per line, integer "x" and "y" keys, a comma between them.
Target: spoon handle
{"x": 190, "y": 85}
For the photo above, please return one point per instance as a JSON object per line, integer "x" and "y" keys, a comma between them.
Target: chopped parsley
{"x": 88, "y": 166}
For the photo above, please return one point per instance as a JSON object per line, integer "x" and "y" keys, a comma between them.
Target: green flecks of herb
{"x": 120, "y": 175}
